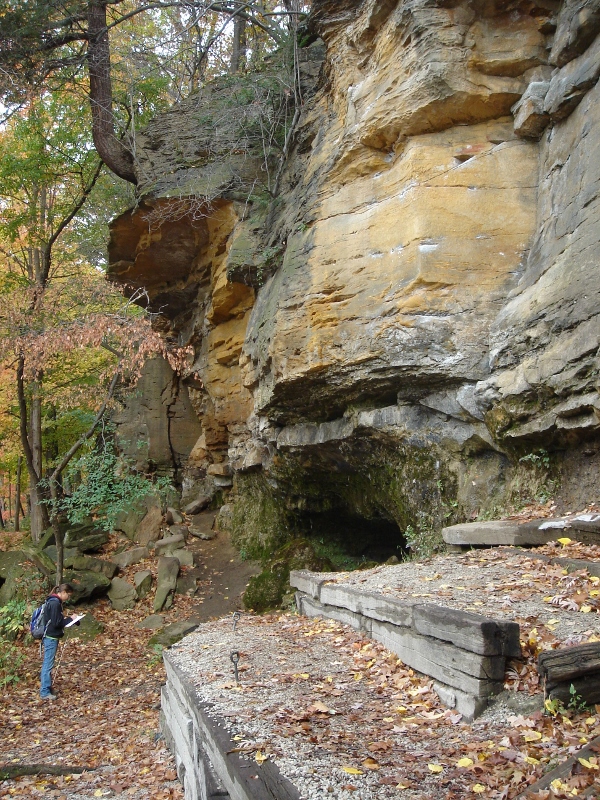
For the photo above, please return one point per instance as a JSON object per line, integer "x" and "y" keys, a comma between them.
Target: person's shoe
{"x": 48, "y": 697}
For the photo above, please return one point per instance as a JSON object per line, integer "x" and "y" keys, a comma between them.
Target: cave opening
{"x": 350, "y": 540}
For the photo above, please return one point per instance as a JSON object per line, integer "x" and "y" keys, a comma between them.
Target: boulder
{"x": 168, "y": 570}
{"x": 185, "y": 557}
{"x": 9, "y": 560}
{"x": 42, "y": 560}
{"x": 68, "y": 553}
{"x": 186, "y": 584}
{"x": 198, "y": 505}
{"x": 202, "y": 526}
{"x": 149, "y": 529}
{"x": 85, "y": 538}
{"x": 127, "y": 521}
{"x": 122, "y": 594}
{"x": 173, "y": 633}
{"x": 86, "y": 584}
{"x": 169, "y": 543}
{"x": 179, "y": 529}
{"x": 21, "y": 574}
{"x": 173, "y": 517}
{"x": 143, "y": 583}
{"x": 129, "y": 557}
{"x": 89, "y": 627}
{"x": 83, "y": 562}
{"x": 151, "y": 623}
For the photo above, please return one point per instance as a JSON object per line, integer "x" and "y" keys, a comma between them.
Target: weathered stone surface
{"x": 374, "y": 606}
{"x": 89, "y": 628}
{"x": 530, "y": 117}
{"x": 168, "y": 570}
{"x": 85, "y": 539}
{"x": 173, "y": 542}
{"x": 186, "y": 584}
{"x": 572, "y": 82}
{"x": 202, "y": 526}
{"x": 468, "y": 631}
{"x": 128, "y": 521}
{"x": 158, "y": 415}
{"x": 309, "y": 583}
{"x": 422, "y": 311}
{"x": 129, "y": 557}
{"x": 122, "y": 594}
{"x": 185, "y": 557}
{"x": 578, "y": 24}
{"x": 86, "y": 584}
{"x": 173, "y": 517}
{"x": 498, "y": 532}
{"x": 152, "y": 623}
{"x": 143, "y": 583}
{"x": 198, "y": 505}
{"x": 149, "y": 529}
{"x": 92, "y": 564}
{"x": 173, "y": 633}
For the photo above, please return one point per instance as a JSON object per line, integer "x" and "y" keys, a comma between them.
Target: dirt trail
{"x": 106, "y": 714}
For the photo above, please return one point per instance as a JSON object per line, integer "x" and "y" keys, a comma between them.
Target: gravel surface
{"x": 343, "y": 717}
{"x": 502, "y": 583}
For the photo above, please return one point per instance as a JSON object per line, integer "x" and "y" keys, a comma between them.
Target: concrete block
{"x": 468, "y": 631}
{"x": 497, "y": 533}
{"x": 313, "y": 608}
{"x": 466, "y": 704}
{"x": 308, "y": 582}
{"x": 375, "y": 606}
{"x": 473, "y": 674}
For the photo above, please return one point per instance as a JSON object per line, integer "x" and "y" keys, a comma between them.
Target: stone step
{"x": 501, "y": 532}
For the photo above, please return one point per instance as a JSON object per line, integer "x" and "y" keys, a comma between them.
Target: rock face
{"x": 409, "y": 335}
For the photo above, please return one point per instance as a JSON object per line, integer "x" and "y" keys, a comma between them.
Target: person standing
{"x": 54, "y": 631}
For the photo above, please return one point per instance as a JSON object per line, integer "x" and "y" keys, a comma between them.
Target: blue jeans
{"x": 50, "y": 647}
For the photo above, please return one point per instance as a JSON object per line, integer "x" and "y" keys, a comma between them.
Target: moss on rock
{"x": 267, "y": 590}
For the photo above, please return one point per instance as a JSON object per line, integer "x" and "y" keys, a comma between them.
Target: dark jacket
{"x": 54, "y": 618}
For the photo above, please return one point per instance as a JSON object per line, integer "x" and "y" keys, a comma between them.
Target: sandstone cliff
{"x": 409, "y": 333}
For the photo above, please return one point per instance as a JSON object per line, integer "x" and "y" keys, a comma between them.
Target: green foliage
{"x": 539, "y": 459}
{"x": 11, "y": 659}
{"x": 576, "y": 701}
{"x": 155, "y": 657}
{"x": 12, "y": 618}
{"x": 109, "y": 485}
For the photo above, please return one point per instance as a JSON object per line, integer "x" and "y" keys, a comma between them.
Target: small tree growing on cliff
{"x": 45, "y": 43}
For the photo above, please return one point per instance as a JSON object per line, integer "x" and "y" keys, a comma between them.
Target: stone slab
{"x": 243, "y": 779}
{"x": 442, "y": 661}
{"x": 308, "y": 582}
{"x": 497, "y": 533}
{"x": 466, "y": 704}
{"x": 374, "y": 606}
{"x": 313, "y": 608}
{"x": 467, "y": 630}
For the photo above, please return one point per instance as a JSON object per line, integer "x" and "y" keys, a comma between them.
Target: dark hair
{"x": 64, "y": 587}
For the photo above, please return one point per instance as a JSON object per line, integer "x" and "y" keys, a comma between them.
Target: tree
{"x": 60, "y": 336}
{"x": 46, "y": 41}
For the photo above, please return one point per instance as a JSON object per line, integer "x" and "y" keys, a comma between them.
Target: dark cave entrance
{"x": 350, "y": 540}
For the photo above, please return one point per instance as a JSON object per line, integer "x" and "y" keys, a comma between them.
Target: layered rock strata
{"x": 409, "y": 332}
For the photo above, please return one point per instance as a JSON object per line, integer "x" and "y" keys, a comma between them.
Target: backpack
{"x": 38, "y": 624}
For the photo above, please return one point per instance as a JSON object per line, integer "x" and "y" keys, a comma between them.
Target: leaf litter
{"x": 341, "y": 716}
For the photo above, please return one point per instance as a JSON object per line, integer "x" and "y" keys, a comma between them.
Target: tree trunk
{"x": 238, "y": 47}
{"x": 111, "y": 150}
{"x": 18, "y": 492}
{"x": 38, "y": 511}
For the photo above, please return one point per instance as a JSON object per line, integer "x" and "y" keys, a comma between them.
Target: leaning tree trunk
{"x": 111, "y": 149}
{"x": 238, "y": 47}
